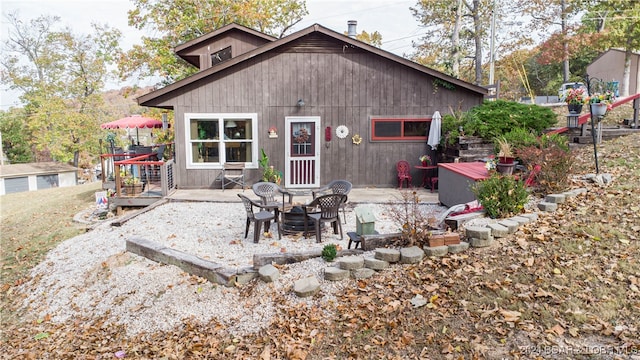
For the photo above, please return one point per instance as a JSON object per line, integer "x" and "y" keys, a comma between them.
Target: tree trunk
{"x": 76, "y": 158}
{"x": 478, "y": 40}
{"x": 455, "y": 42}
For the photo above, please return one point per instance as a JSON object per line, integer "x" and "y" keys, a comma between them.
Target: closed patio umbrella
{"x": 434, "y": 131}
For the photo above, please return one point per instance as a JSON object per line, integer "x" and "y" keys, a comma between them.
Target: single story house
{"x": 36, "y": 176}
{"x": 322, "y": 105}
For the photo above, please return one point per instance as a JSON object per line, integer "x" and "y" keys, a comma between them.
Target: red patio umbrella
{"x": 133, "y": 122}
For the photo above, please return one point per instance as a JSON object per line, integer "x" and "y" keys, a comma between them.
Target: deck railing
{"x": 158, "y": 177}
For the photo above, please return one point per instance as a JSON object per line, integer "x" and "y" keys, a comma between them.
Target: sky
{"x": 392, "y": 19}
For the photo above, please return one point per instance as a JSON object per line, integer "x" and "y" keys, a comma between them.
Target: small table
{"x": 426, "y": 175}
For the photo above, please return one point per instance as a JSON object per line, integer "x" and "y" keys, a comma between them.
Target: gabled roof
{"x": 183, "y": 49}
{"x": 43, "y": 168}
{"x": 613, "y": 50}
{"x": 316, "y": 28}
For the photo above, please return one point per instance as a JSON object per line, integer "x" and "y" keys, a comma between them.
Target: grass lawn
{"x": 33, "y": 223}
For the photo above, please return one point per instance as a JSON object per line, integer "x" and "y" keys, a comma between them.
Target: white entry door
{"x": 302, "y": 154}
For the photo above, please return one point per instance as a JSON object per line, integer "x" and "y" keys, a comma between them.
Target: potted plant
{"x": 575, "y": 98}
{"x": 506, "y": 162}
{"x": 601, "y": 102}
{"x": 132, "y": 185}
{"x": 269, "y": 174}
{"x": 425, "y": 160}
{"x": 505, "y": 150}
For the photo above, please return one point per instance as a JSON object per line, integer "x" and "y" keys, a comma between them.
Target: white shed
{"x": 35, "y": 176}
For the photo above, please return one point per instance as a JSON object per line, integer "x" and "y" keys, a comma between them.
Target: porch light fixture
{"x": 300, "y": 103}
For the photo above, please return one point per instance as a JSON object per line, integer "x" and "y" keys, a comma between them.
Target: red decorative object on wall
{"x": 327, "y": 133}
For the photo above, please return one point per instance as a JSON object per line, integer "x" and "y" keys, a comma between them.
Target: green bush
{"x": 329, "y": 252}
{"x": 521, "y": 137}
{"x": 501, "y": 196}
{"x": 519, "y": 123}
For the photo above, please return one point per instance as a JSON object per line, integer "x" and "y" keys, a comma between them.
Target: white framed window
{"x": 214, "y": 139}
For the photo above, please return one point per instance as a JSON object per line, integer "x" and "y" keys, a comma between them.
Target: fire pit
{"x": 293, "y": 222}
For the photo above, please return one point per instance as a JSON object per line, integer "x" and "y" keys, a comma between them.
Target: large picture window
{"x": 399, "y": 129}
{"x": 215, "y": 139}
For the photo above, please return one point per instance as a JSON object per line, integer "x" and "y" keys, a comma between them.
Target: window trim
{"x": 401, "y": 119}
{"x": 220, "y": 117}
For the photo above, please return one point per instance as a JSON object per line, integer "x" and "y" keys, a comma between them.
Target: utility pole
{"x": 565, "y": 41}
{"x": 492, "y": 49}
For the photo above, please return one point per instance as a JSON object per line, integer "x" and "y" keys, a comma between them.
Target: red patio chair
{"x": 404, "y": 173}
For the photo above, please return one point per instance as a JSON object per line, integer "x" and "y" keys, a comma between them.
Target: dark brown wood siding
{"x": 343, "y": 86}
{"x": 239, "y": 41}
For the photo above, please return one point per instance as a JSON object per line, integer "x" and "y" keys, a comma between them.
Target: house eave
{"x": 148, "y": 99}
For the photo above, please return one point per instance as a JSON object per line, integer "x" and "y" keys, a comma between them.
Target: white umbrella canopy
{"x": 434, "y": 131}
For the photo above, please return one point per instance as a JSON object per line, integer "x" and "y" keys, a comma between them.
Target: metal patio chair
{"x": 404, "y": 173}
{"x": 232, "y": 173}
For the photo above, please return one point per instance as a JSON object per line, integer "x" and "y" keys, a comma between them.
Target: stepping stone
{"x": 306, "y": 287}
{"x": 362, "y": 273}
{"x": 388, "y": 255}
{"x": 479, "y": 232}
{"x": 498, "y": 230}
{"x": 547, "y": 206}
{"x": 411, "y": 255}
{"x": 437, "y": 250}
{"x": 555, "y": 198}
{"x": 575, "y": 192}
{"x": 333, "y": 273}
{"x": 351, "y": 262}
{"x": 268, "y": 273}
{"x": 245, "y": 275}
{"x": 458, "y": 248}
{"x": 375, "y": 264}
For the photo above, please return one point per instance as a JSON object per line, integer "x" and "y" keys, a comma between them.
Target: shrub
{"x": 450, "y": 127}
{"x": 501, "y": 196}
{"x": 415, "y": 223}
{"x": 556, "y": 161}
{"x": 493, "y": 119}
{"x": 521, "y": 137}
{"x": 329, "y": 252}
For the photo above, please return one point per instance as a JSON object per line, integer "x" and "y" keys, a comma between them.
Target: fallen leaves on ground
{"x": 569, "y": 281}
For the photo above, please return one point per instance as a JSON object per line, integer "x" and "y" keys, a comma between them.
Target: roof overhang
{"x": 151, "y": 99}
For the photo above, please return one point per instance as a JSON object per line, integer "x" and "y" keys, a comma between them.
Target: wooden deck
{"x": 157, "y": 177}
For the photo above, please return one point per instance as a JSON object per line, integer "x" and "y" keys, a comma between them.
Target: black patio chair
{"x": 269, "y": 193}
{"x": 258, "y": 218}
{"x": 325, "y": 208}
{"x": 336, "y": 187}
